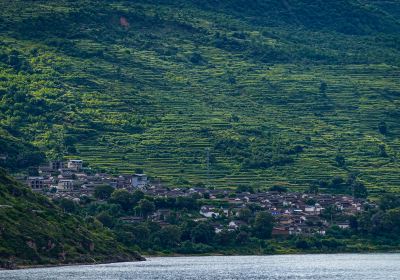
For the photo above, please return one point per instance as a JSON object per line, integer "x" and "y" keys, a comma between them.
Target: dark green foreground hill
{"x": 278, "y": 92}
{"x": 34, "y": 231}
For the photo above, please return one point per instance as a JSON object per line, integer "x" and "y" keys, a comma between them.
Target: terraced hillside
{"x": 215, "y": 92}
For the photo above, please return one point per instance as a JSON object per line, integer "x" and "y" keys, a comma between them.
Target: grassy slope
{"x": 34, "y": 231}
{"x": 138, "y": 97}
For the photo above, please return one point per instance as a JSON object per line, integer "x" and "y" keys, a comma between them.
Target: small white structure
{"x": 309, "y": 209}
{"x": 343, "y": 225}
{"x": 139, "y": 181}
{"x": 236, "y": 224}
{"x": 209, "y": 212}
{"x": 64, "y": 185}
{"x": 218, "y": 229}
{"x": 75, "y": 164}
{"x": 313, "y": 209}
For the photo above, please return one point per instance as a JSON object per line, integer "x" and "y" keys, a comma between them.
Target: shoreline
{"x": 69, "y": 264}
{"x": 274, "y": 254}
{"x": 145, "y": 257}
{"x": 34, "y": 266}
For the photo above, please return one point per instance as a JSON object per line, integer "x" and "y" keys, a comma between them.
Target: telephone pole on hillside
{"x": 208, "y": 166}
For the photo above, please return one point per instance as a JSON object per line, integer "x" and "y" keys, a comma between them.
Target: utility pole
{"x": 208, "y": 166}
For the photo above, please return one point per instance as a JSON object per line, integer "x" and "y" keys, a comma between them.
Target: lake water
{"x": 310, "y": 267}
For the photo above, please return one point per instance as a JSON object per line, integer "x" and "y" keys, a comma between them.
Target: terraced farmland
{"x": 193, "y": 95}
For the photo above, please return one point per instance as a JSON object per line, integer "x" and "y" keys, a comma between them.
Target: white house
{"x": 236, "y": 224}
{"x": 65, "y": 184}
{"x": 75, "y": 164}
{"x": 313, "y": 209}
{"x": 139, "y": 181}
{"x": 343, "y": 225}
{"x": 218, "y": 229}
{"x": 209, "y": 212}
{"x": 309, "y": 209}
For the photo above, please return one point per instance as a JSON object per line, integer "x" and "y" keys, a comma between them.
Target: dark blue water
{"x": 307, "y": 267}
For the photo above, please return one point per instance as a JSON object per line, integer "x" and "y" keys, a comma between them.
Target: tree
{"x": 340, "y": 160}
{"x": 382, "y": 151}
{"x": 105, "y": 219}
{"x": 103, "y": 191}
{"x": 302, "y": 244}
{"x": 137, "y": 196}
{"x": 196, "y": 58}
{"x": 389, "y": 202}
{"x": 244, "y": 188}
{"x": 263, "y": 225}
{"x": 331, "y": 243}
{"x": 32, "y": 171}
{"x": 141, "y": 233}
{"x": 225, "y": 237}
{"x": 359, "y": 190}
{"x": 146, "y": 207}
{"x": 393, "y": 220}
{"x": 322, "y": 87}
{"x": 356, "y": 187}
{"x": 336, "y": 182}
{"x": 196, "y": 196}
{"x": 382, "y": 127}
{"x": 139, "y": 171}
{"x": 353, "y": 223}
{"x": 231, "y": 80}
{"x": 67, "y": 205}
{"x": 169, "y": 236}
{"x": 279, "y": 189}
{"x": 123, "y": 198}
{"x": 242, "y": 237}
{"x": 311, "y": 201}
{"x": 186, "y": 202}
{"x": 313, "y": 188}
{"x": 202, "y": 233}
{"x": 330, "y": 212}
{"x": 244, "y": 214}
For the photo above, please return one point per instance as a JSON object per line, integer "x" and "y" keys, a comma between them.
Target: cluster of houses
{"x": 71, "y": 180}
{"x": 294, "y": 213}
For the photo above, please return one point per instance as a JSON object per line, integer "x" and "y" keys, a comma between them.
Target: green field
{"x": 276, "y": 91}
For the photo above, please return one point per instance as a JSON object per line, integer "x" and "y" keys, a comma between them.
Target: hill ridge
{"x": 274, "y": 103}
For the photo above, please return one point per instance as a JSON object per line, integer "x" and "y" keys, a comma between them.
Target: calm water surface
{"x": 310, "y": 267}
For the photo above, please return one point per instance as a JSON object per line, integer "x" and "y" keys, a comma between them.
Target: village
{"x": 295, "y": 213}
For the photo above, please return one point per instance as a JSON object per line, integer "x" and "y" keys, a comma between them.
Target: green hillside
{"x": 34, "y": 231}
{"x": 281, "y": 92}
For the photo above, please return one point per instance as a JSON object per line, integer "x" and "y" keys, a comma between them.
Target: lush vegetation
{"x": 282, "y": 94}
{"x": 158, "y": 225}
{"x": 35, "y": 231}
{"x": 276, "y": 92}
{"x": 115, "y": 224}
